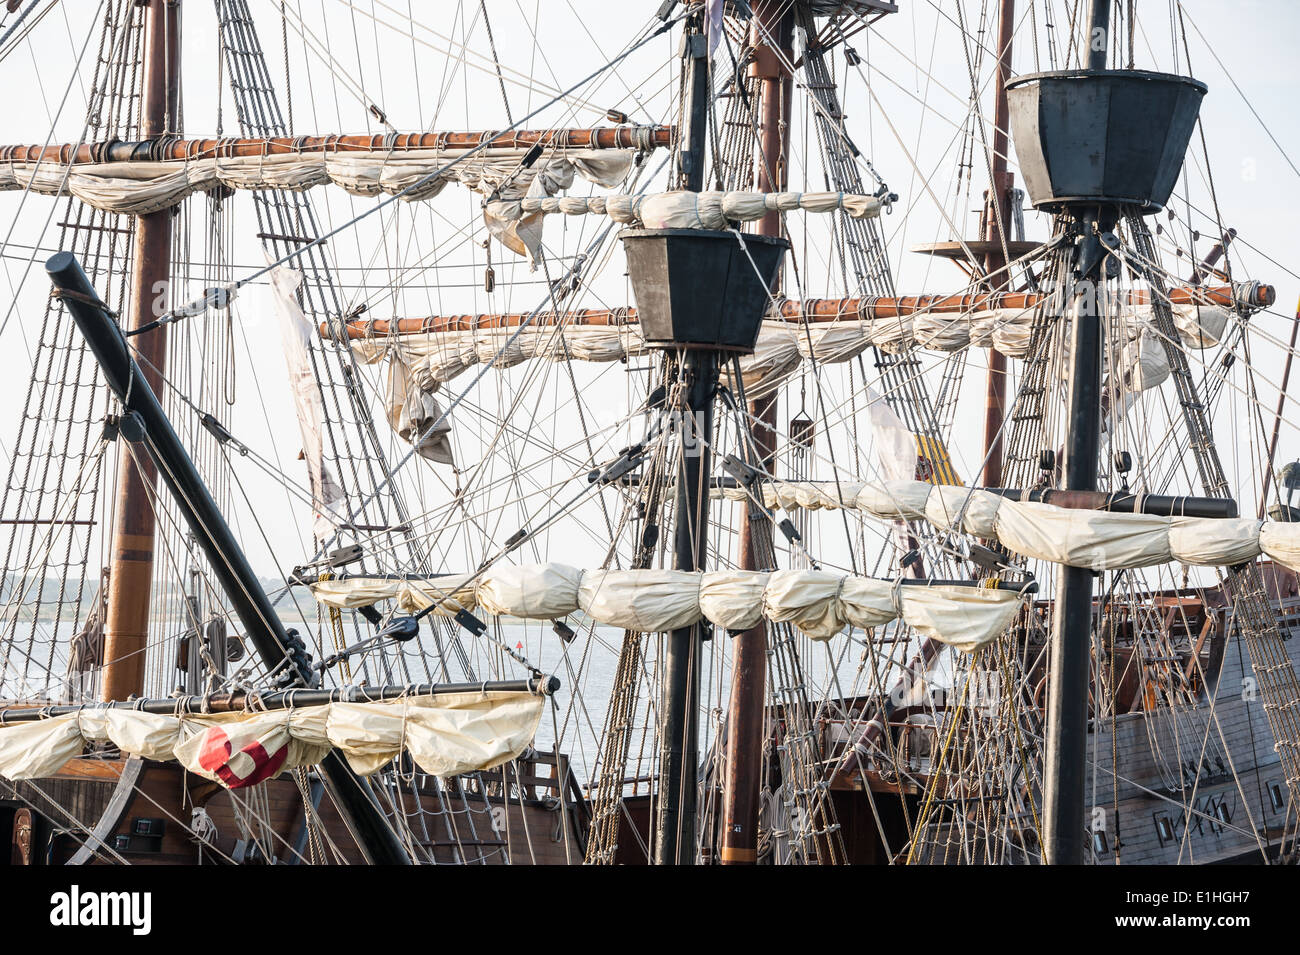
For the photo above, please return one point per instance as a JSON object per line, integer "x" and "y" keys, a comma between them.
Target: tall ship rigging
{"x": 507, "y": 438}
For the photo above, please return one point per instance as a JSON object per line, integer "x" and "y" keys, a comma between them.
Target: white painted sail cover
{"x": 444, "y": 735}
{"x": 819, "y": 603}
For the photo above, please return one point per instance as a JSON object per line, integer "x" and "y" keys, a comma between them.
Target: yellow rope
{"x": 336, "y": 630}
{"x": 934, "y": 780}
{"x": 1020, "y": 742}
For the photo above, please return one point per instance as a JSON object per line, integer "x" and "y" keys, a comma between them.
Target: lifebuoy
{"x": 243, "y": 767}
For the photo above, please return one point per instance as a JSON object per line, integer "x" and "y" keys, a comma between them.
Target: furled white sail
{"x": 799, "y": 495}
{"x": 891, "y": 501}
{"x": 445, "y": 735}
{"x": 138, "y": 188}
{"x": 522, "y": 234}
{"x": 819, "y": 603}
{"x": 1199, "y": 326}
{"x": 683, "y": 209}
{"x": 1106, "y": 540}
{"x": 647, "y": 601}
{"x": 438, "y": 357}
{"x": 447, "y": 594}
{"x": 1098, "y": 540}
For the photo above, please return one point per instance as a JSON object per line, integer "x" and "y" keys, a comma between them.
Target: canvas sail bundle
{"x": 1106, "y": 540}
{"x": 450, "y": 593}
{"x": 1003, "y": 329}
{"x": 522, "y": 234}
{"x": 799, "y": 495}
{"x": 516, "y": 218}
{"x": 414, "y": 413}
{"x": 444, "y": 735}
{"x": 897, "y": 500}
{"x": 1098, "y": 540}
{"x": 139, "y": 188}
{"x": 437, "y": 357}
{"x": 819, "y": 603}
{"x": 776, "y": 357}
{"x": 434, "y": 358}
{"x": 683, "y": 209}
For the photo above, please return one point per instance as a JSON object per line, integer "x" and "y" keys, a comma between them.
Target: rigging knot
{"x": 71, "y": 295}
{"x": 160, "y": 148}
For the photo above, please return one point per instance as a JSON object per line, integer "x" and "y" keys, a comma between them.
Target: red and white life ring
{"x": 240, "y": 763}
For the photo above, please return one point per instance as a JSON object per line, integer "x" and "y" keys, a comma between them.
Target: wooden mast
{"x": 740, "y": 794}
{"x": 126, "y": 623}
{"x": 997, "y": 210}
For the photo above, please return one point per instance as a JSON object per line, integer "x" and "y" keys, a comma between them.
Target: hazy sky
{"x": 344, "y": 57}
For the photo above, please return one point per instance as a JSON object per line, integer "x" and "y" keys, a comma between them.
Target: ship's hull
{"x": 147, "y": 813}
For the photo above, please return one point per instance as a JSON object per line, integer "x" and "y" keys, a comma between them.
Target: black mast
{"x": 146, "y": 425}
{"x": 1071, "y": 656}
{"x": 1067, "y": 713}
{"x": 700, "y": 294}
{"x": 1082, "y": 158}
{"x": 679, "y": 751}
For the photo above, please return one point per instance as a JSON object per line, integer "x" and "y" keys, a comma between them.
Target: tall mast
{"x": 699, "y": 327}
{"x": 126, "y": 625}
{"x": 1094, "y": 145}
{"x": 997, "y": 210}
{"x": 1071, "y": 653}
{"x": 674, "y": 842}
{"x": 772, "y": 21}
